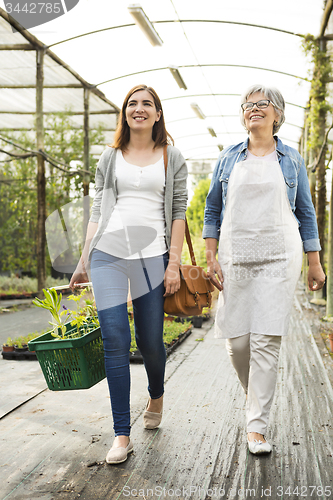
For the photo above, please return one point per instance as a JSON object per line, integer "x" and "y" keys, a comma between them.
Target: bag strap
{"x": 187, "y": 231}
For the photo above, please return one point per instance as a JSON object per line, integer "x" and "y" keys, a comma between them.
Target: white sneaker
{"x": 257, "y": 447}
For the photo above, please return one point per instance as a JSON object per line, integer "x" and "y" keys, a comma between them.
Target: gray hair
{"x": 271, "y": 93}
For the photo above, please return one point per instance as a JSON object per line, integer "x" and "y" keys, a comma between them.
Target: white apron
{"x": 260, "y": 253}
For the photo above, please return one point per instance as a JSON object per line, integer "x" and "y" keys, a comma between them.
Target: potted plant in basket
{"x": 71, "y": 353}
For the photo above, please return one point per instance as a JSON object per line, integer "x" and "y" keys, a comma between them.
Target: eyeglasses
{"x": 262, "y": 104}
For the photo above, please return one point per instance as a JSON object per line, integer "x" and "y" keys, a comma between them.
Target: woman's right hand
{"x": 80, "y": 275}
{"x": 214, "y": 273}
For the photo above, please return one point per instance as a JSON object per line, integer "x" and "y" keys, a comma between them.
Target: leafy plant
{"x": 84, "y": 318}
{"x": 19, "y": 343}
{"x": 318, "y": 101}
{"x": 52, "y": 303}
{"x": 9, "y": 341}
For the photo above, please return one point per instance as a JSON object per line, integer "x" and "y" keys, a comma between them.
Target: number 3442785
{"x": 34, "y": 8}
{"x": 305, "y": 491}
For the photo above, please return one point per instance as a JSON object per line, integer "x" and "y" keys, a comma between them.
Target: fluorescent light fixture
{"x": 197, "y": 111}
{"x": 220, "y": 147}
{"x": 143, "y": 22}
{"x": 177, "y": 76}
{"x": 211, "y": 131}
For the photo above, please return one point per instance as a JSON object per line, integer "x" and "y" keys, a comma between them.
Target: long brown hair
{"x": 122, "y": 134}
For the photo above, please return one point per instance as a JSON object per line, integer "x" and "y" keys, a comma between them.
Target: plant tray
{"x": 69, "y": 364}
{"x": 136, "y": 356}
{"x": 19, "y": 356}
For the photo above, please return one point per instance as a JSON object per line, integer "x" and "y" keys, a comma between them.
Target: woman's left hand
{"x": 316, "y": 277}
{"x": 171, "y": 279}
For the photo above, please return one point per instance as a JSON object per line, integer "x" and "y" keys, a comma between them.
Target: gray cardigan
{"x": 175, "y": 196}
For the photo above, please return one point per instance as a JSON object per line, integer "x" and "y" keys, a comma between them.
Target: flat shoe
{"x": 258, "y": 447}
{"x": 151, "y": 420}
{"x": 119, "y": 455}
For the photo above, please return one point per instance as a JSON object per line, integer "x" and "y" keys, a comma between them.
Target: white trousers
{"x": 255, "y": 358}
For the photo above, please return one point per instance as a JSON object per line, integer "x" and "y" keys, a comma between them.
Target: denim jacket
{"x": 297, "y": 184}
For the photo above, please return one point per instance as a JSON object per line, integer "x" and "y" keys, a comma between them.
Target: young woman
{"x": 259, "y": 208}
{"x": 134, "y": 238}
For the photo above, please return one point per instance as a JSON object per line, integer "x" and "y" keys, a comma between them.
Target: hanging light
{"x": 197, "y": 111}
{"x": 211, "y": 131}
{"x": 144, "y": 23}
{"x": 177, "y": 76}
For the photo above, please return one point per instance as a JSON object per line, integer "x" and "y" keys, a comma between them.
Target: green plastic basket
{"x": 69, "y": 364}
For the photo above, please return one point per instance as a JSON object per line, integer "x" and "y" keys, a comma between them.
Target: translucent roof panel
{"x": 63, "y": 87}
{"x": 220, "y": 49}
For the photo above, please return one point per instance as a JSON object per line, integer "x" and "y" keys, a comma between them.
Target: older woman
{"x": 259, "y": 208}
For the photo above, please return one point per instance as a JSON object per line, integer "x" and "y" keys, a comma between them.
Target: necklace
{"x": 258, "y": 156}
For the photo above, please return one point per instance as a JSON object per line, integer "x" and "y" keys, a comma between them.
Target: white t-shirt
{"x": 137, "y": 224}
{"x": 270, "y": 157}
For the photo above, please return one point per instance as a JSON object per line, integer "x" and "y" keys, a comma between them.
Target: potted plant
{"x": 70, "y": 354}
{"x": 8, "y": 346}
{"x": 20, "y": 345}
{"x": 197, "y": 321}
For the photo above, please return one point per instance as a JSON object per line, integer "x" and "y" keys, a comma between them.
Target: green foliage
{"x": 18, "y": 219}
{"x": 171, "y": 331}
{"x": 18, "y": 189}
{"x": 13, "y": 284}
{"x": 20, "y": 342}
{"x": 84, "y": 319}
{"x": 199, "y": 251}
{"x": 195, "y": 211}
{"x": 319, "y": 106}
{"x": 52, "y": 303}
{"x": 195, "y": 217}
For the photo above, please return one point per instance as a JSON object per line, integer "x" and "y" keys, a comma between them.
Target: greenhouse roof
{"x": 217, "y": 48}
{"x": 63, "y": 87}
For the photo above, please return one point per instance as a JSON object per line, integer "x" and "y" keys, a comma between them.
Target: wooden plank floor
{"x": 53, "y": 447}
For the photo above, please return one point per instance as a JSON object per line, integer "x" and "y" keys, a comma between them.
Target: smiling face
{"x": 260, "y": 119}
{"x": 141, "y": 112}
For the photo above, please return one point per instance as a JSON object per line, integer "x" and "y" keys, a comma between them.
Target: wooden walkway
{"x": 53, "y": 446}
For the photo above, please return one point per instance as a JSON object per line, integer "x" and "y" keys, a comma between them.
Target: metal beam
{"x": 102, "y": 112}
{"x": 41, "y": 192}
{"x": 173, "y": 21}
{"x": 16, "y": 46}
{"x": 47, "y": 86}
{"x": 213, "y": 95}
{"x": 223, "y": 116}
{"x": 204, "y": 66}
{"x": 326, "y": 17}
{"x": 86, "y": 160}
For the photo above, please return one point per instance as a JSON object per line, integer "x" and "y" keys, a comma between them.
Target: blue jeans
{"x": 110, "y": 277}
